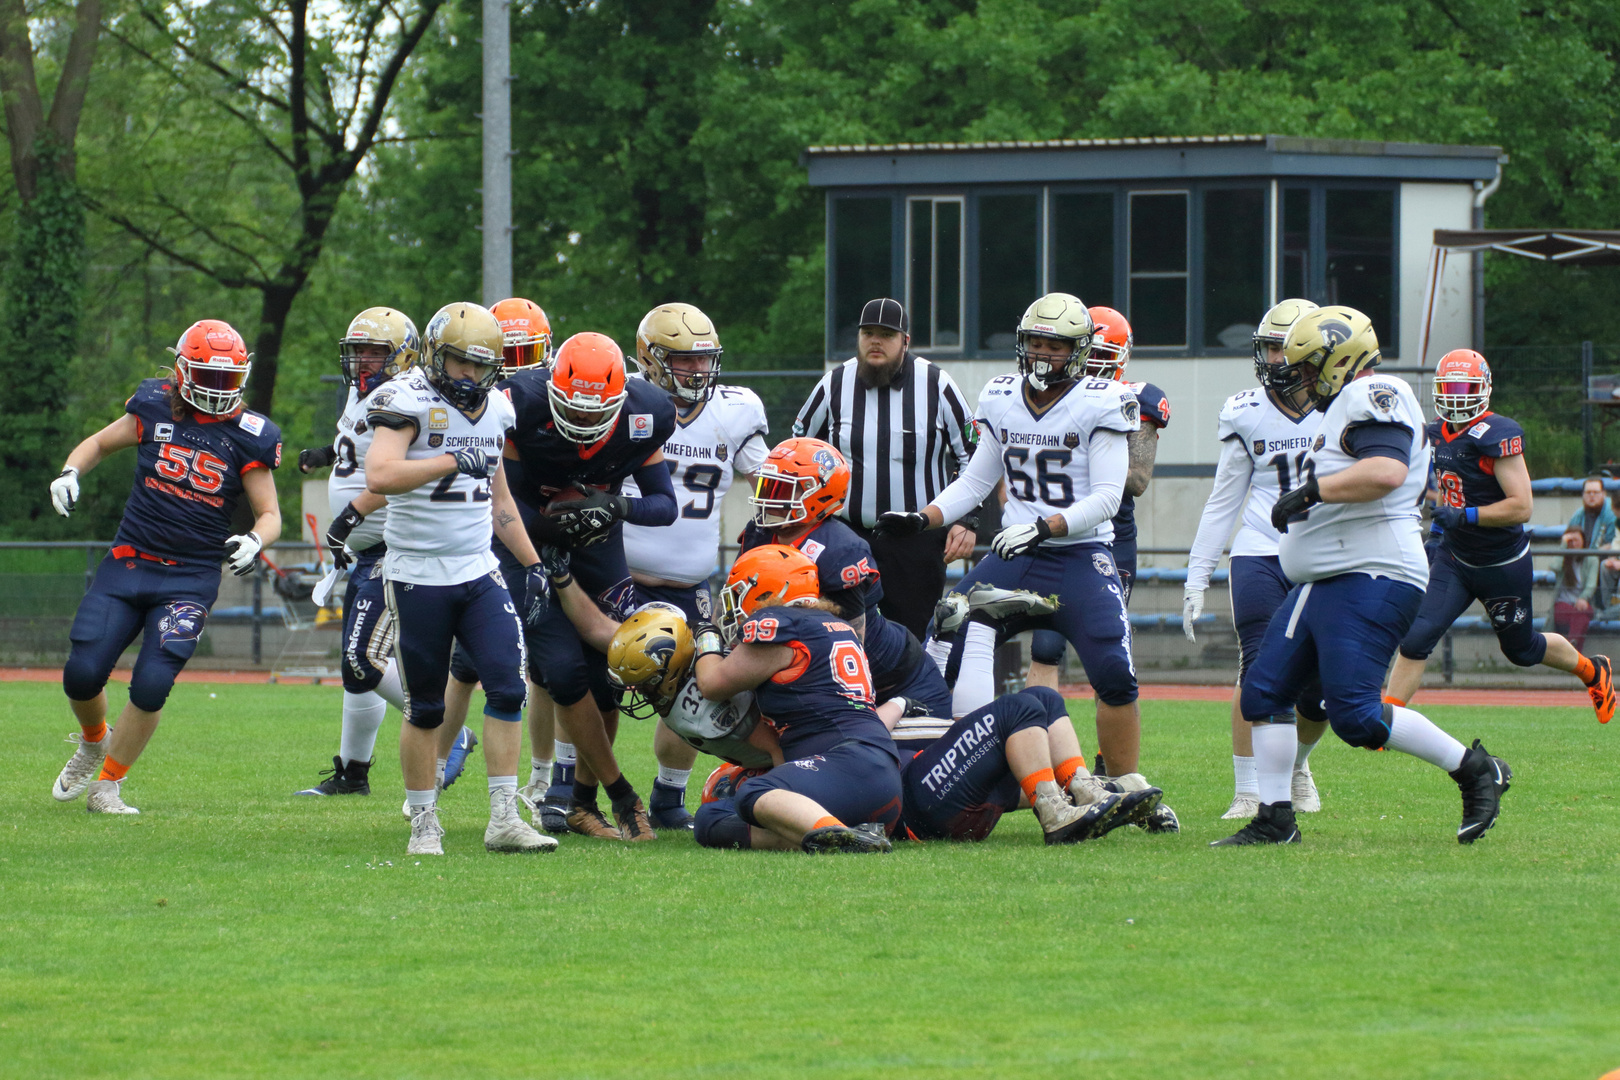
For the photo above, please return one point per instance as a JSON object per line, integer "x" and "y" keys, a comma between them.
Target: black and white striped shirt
{"x": 903, "y": 441}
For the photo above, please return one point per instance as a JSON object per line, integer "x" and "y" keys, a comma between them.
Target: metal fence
{"x": 1558, "y": 393}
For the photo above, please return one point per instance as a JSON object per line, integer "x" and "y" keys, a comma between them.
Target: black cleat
{"x": 868, "y": 839}
{"x": 1274, "y": 824}
{"x": 1484, "y": 780}
{"x": 667, "y": 808}
{"x": 350, "y": 779}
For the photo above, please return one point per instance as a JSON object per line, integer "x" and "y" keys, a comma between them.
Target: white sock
{"x": 1413, "y": 733}
{"x": 1302, "y": 755}
{"x": 1246, "y": 780}
{"x": 439, "y": 771}
{"x": 420, "y": 798}
{"x": 496, "y": 783}
{"x": 940, "y": 652}
{"x": 362, "y": 716}
{"x": 539, "y": 771}
{"x": 976, "y": 680}
{"x": 675, "y": 778}
{"x": 390, "y": 689}
{"x": 1274, "y": 761}
{"x": 565, "y": 753}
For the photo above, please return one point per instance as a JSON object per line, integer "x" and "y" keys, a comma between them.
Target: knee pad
{"x": 1524, "y": 649}
{"x": 461, "y": 665}
{"x": 1114, "y": 683}
{"x": 1050, "y": 701}
{"x": 425, "y": 719}
{"x": 1369, "y": 730}
{"x": 1310, "y": 706}
{"x": 148, "y": 689}
{"x": 1047, "y": 647}
{"x": 718, "y": 826}
{"x": 82, "y": 678}
{"x": 505, "y": 699}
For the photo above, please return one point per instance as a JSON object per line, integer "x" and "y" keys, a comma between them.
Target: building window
{"x": 1359, "y": 238}
{"x": 1009, "y": 266}
{"x": 934, "y": 243}
{"x": 1158, "y": 267}
{"x": 862, "y": 262}
{"x": 1234, "y": 270}
{"x": 1294, "y": 241}
{"x": 1083, "y": 246}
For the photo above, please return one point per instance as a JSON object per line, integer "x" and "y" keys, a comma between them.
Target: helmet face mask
{"x": 1058, "y": 317}
{"x": 587, "y": 388}
{"x": 802, "y": 481}
{"x": 649, "y": 658}
{"x": 470, "y": 334}
{"x": 1330, "y": 347}
{"x": 1274, "y": 372}
{"x": 771, "y": 575}
{"x": 365, "y": 367}
{"x": 678, "y": 350}
{"x": 211, "y": 367}
{"x": 1462, "y": 387}
{"x": 525, "y": 334}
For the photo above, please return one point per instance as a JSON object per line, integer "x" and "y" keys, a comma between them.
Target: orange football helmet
{"x": 802, "y": 481}
{"x": 771, "y": 575}
{"x": 1462, "y": 386}
{"x": 587, "y": 387}
{"x": 211, "y": 365}
{"x": 1111, "y": 343}
{"x": 526, "y": 332}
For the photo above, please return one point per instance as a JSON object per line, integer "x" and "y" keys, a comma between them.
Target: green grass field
{"x": 232, "y": 930}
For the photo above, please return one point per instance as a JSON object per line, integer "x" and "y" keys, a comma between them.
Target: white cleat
{"x": 996, "y": 603}
{"x": 427, "y": 835}
{"x": 105, "y": 799}
{"x": 509, "y": 832}
{"x": 81, "y": 768}
{"x": 1245, "y": 805}
{"x": 1303, "y": 790}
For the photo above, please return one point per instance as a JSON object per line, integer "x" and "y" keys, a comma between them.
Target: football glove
{"x": 1449, "y": 517}
{"x": 1192, "y": 606}
{"x": 588, "y": 521}
{"x": 242, "y": 552}
{"x": 316, "y": 457}
{"x": 556, "y": 563}
{"x": 337, "y": 534}
{"x": 65, "y": 491}
{"x": 900, "y": 523}
{"x": 1016, "y": 540}
{"x": 478, "y": 464}
{"x": 1294, "y": 502}
{"x": 539, "y": 586}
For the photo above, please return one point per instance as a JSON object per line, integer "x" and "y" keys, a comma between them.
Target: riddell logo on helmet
{"x": 1043, "y": 326}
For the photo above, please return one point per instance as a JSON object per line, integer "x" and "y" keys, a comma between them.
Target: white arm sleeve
{"x": 976, "y": 481}
{"x": 1220, "y": 512}
{"x": 1108, "y": 459}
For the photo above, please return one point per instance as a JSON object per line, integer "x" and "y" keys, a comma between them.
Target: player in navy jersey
{"x": 198, "y": 452}
{"x": 801, "y": 484}
{"x": 1110, "y": 351}
{"x": 1484, "y": 554}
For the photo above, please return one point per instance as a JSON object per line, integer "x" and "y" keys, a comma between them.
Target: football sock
{"x": 390, "y": 689}
{"x": 112, "y": 770}
{"x": 620, "y": 791}
{"x": 1029, "y": 782}
{"x": 675, "y": 778}
{"x": 1244, "y": 779}
{"x": 1303, "y": 753}
{"x": 1413, "y": 733}
{"x": 1585, "y": 670}
{"x": 438, "y": 771}
{"x": 976, "y": 681}
{"x": 565, "y": 753}
{"x": 95, "y": 734}
{"x": 415, "y": 799}
{"x": 584, "y": 794}
{"x": 1064, "y": 772}
{"x": 362, "y": 716}
{"x": 539, "y": 771}
{"x": 1391, "y": 699}
{"x": 826, "y": 822}
{"x": 940, "y": 652}
{"x": 498, "y": 782}
{"x": 1274, "y": 746}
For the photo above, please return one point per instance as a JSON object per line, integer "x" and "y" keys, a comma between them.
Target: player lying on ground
{"x": 1483, "y": 553}
{"x": 1353, "y": 543}
{"x": 198, "y": 451}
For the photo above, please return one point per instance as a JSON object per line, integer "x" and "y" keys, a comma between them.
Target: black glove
{"x": 588, "y": 521}
{"x": 1296, "y": 501}
{"x": 900, "y": 523}
{"x": 1449, "y": 517}
{"x": 555, "y": 561}
{"x": 316, "y": 457}
{"x": 337, "y": 534}
{"x": 478, "y": 464}
{"x": 538, "y": 584}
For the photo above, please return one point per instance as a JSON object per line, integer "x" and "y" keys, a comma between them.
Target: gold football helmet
{"x": 650, "y": 655}
{"x": 679, "y": 333}
{"x": 1329, "y": 347}
{"x": 465, "y": 332}
{"x": 378, "y": 326}
{"x": 1280, "y": 379}
{"x": 1061, "y": 317}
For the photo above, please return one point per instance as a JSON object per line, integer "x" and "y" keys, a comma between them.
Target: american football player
{"x": 1484, "y": 553}
{"x": 198, "y": 452}
{"x": 1266, "y": 434}
{"x": 1354, "y": 548}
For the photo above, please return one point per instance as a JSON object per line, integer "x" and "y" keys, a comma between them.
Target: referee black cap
{"x": 887, "y": 313}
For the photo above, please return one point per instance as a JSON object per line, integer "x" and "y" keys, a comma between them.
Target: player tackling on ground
{"x": 1353, "y": 544}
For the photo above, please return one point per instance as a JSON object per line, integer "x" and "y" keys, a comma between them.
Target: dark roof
{"x": 1587, "y": 247}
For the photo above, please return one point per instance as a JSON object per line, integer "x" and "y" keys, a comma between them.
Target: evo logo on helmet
{"x": 641, "y": 425}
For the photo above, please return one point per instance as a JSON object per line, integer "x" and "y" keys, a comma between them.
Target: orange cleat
{"x": 1601, "y": 689}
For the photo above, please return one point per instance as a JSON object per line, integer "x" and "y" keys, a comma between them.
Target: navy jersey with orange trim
{"x": 552, "y": 461}
{"x": 1465, "y": 475}
{"x": 825, "y": 696}
{"x": 188, "y": 476}
{"x": 848, "y": 575}
{"x": 1155, "y": 411}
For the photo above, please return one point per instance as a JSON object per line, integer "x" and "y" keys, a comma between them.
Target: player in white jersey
{"x": 1266, "y": 434}
{"x": 1354, "y": 545}
{"x": 379, "y": 344}
{"x": 1060, "y": 441}
{"x": 437, "y": 455}
{"x": 719, "y": 436}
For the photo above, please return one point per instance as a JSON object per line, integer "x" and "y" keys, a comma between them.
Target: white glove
{"x": 248, "y": 546}
{"x": 65, "y": 491}
{"x": 324, "y": 587}
{"x": 1016, "y": 540}
{"x": 1192, "y": 606}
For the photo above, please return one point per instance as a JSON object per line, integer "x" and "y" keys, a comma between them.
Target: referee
{"x": 905, "y": 429}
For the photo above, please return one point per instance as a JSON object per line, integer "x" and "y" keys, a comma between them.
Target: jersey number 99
{"x": 849, "y": 670}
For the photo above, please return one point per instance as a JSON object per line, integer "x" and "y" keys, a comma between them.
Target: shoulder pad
{"x": 1375, "y": 399}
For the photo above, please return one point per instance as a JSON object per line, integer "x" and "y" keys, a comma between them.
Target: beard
{"x": 877, "y": 375}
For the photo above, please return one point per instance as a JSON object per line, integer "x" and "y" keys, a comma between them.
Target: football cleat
{"x": 80, "y": 769}
{"x": 1162, "y": 819}
{"x": 1147, "y": 810}
{"x": 1303, "y": 789}
{"x": 341, "y": 779}
{"x": 1273, "y": 824}
{"x": 634, "y": 824}
{"x": 1484, "y": 780}
{"x": 998, "y": 604}
{"x": 466, "y": 742}
{"x": 427, "y": 835}
{"x": 587, "y": 820}
{"x": 105, "y": 798}
{"x": 867, "y": 839}
{"x": 550, "y": 813}
{"x": 507, "y": 831}
{"x": 1245, "y": 804}
{"x": 1600, "y": 689}
{"x": 668, "y": 808}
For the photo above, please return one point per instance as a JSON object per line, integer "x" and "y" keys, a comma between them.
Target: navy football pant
{"x": 481, "y": 616}
{"x": 368, "y": 630}
{"x": 1505, "y": 592}
{"x": 1258, "y": 588}
{"x": 133, "y": 596}
{"x": 1345, "y": 629}
{"x": 1046, "y": 646}
{"x": 563, "y": 664}
{"x": 693, "y": 600}
{"x": 854, "y": 781}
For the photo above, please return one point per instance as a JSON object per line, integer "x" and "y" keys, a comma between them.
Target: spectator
{"x": 1572, "y": 607}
